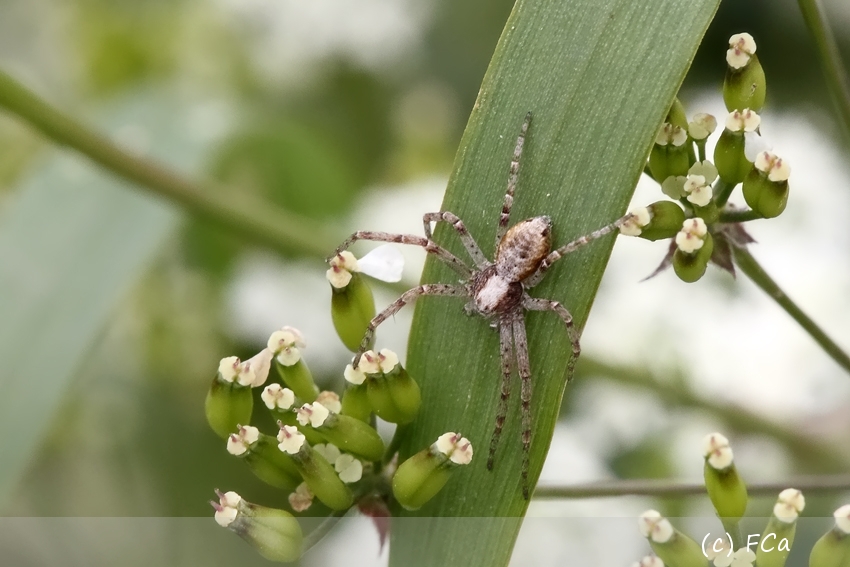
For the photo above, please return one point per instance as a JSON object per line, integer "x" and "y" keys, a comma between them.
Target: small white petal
{"x": 717, "y": 450}
{"x": 653, "y": 525}
{"x": 691, "y": 237}
{"x": 225, "y": 516}
{"x": 342, "y": 266}
{"x": 789, "y": 505}
{"x": 302, "y": 498}
{"x": 639, "y": 218}
{"x": 370, "y": 362}
{"x": 702, "y": 126}
{"x": 239, "y": 442}
{"x": 457, "y": 448}
{"x": 315, "y": 414}
{"x": 754, "y": 144}
{"x": 349, "y": 468}
{"x": 330, "y": 400}
{"x": 842, "y": 518}
{"x": 706, "y": 169}
{"x": 259, "y": 366}
{"x": 228, "y": 368}
{"x": 354, "y": 375}
{"x": 328, "y": 450}
{"x": 387, "y": 360}
{"x": 383, "y": 263}
{"x": 289, "y": 356}
{"x": 742, "y": 46}
{"x": 339, "y": 278}
{"x": 291, "y": 440}
{"x": 231, "y": 499}
{"x": 650, "y": 561}
{"x": 701, "y": 196}
{"x": 276, "y": 396}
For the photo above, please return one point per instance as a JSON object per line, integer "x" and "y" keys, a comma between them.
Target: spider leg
{"x": 506, "y": 351}
{"x": 505, "y": 217}
{"x": 468, "y": 241}
{"x": 537, "y": 304}
{"x": 429, "y": 245}
{"x": 556, "y": 255}
{"x": 524, "y": 368}
{"x": 395, "y": 307}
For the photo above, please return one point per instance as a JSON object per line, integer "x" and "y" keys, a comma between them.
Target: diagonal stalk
{"x": 753, "y": 269}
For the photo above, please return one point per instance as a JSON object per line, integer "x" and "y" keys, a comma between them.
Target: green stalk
{"x": 745, "y": 261}
{"x": 739, "y": 215}
{"x": 830, "y": 58}
{"x": 813, "y": 484}
{"x": 278, "y": 229}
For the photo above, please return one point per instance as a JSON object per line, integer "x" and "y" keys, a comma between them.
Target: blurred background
{"x": 349, "y": 114}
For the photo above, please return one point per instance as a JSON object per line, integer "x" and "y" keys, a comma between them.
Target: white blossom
{"x": 457, "y": 448}
{"x": 286, "y": 344}
{"x": 742, "y": 46}
{"x": 314, "y": 414}
{"x": 348, "y": 468}
{"x": 239, "y": 442}
{"x": 639, "y": 218}
{"x": 717, "y": 451}
{"x": 692, "y": 236}
{"x": 276, "y": 396}
{"x": 655, "y": 526}
{"x": 842, "y": 519}
{"x": 743, "y": 120}
{"x": 672, "y": 135}
{"x": 789, "y": 505}
{"x": 291, "y": 440}
{"x": 774, "y": 166}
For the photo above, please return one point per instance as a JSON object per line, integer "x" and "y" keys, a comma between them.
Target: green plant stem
{"x": 743, "y": 215}
{"x": 722, "y": 190}
{"x": 830, "y": 58}
{"x": 753, "y": 269}
{"x": 812, "y": 454}
{"x": 279, "y": 230}
{"x": 319, "y": 532}
{"x": 814, "y": 484}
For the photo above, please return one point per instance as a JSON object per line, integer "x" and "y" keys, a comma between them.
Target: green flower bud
{"x": 766, "y": 185}
{"x": 299, "y": 378}
{"x": 744, "y": 85}
{"x": 352, "y": 303}
{"x": 422, "y": 476}
{"x": 393, "y": 395}
{"x": 694, "y": 246}
{"x": 778, "y": 536}
{"x": 276, "y": 534}
{"x": 671, "y": 545}
{"x": 833, "y": 549}
{"x": 319, "y": 475}
{"x": 676, "y": 115}
{"x": 229, "y": 403}
{"x": 262, "y": 456}
{"x": 355, "y": 402}
{"x": 347, "y": 433}
{"x": 670, "y": 155}
{"x": 732, "y": 164}
{"x": 662, "y": 219}
{"x": 727, "y": 491}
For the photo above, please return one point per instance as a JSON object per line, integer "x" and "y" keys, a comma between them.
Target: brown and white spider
{"x": 496, "y": 290}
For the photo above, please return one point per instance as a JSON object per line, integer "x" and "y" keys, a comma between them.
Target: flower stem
{"x": 722, "y": 190}
{"x": 833, "y": 68}
{"x": 753, "y": 269}
{"x": 737, "y": 215}
{"x": 657, "y": 487}
{"x": 279, "y": 229}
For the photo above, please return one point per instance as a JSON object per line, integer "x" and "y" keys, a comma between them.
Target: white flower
{"x": 291, "y": 440}
{"x": 457, "y": 448}
{"x": 789, "y": 505}
{"x": 239, "y": 442}
{"x": 774, "y": 166}
{"x": 716, "y": 449}
{"x": 742, "y": 46}
{"x": 276, "y": 396}
{"x": 302, "y": 498}
{"x": 383, "y": 263}
{"x": 649, "y": 561}
{"x": 225, "y": 509}
{"x": 699, "y": 192}
{"x": 348, "y": 468}
{"x": 639, "y": 218}
{"x": 342, "y": 266}
{"x": 255, "y": 371}
{"x": 743, "y": 120}
{"x": 842, "y": 519}
{"x": 653, "y": 525}
{"x": 315, "y": 414}
{"x": 742, "y": 557}
{"x": 228, "y": 368}
{"x": 373, "y": 363}
{"x": 669, "y": 134}
{"x": 702, "y": 126}
{"x": 720, "y": 552}
{"x": 328, "y": 450}
{"x": 285, "y": 345}
{"x": 330, "y": 400}
{"x": 354, "y": 375}
{"x": 691, "y": 237}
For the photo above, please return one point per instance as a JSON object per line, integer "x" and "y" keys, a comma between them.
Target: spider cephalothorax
{"x": 496, "y": 290}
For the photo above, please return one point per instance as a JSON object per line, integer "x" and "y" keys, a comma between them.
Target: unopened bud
{"x": 228, "y": 403}
{"x": 393, "y": 395}
{"x": 727, "y": 491}
{"x": 766, "y": 185}
{"x": 418, "y": 479}
{"x": 276, "y": 534}
{"x": 744, "y": 85}
{"x": 671, "y": 545}
{"x": 352, "y": 308}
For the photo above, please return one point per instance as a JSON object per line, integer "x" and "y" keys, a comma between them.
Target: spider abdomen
{"x": 522, "y": 249}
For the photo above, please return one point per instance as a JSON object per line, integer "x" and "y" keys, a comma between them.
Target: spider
{"x": 496, "y": 290}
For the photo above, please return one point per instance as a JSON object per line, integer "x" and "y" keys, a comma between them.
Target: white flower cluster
{"x": 456, "y": 447}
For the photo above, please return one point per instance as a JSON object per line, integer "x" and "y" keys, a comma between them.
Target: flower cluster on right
{"x": 704, "y": 226}
{"x": 733, "y": 548}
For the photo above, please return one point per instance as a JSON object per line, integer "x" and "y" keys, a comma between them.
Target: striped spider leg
{"x": 497, "y": 290}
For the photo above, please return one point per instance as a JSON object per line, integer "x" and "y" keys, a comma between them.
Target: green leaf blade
{"x": 599, "y": 78}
